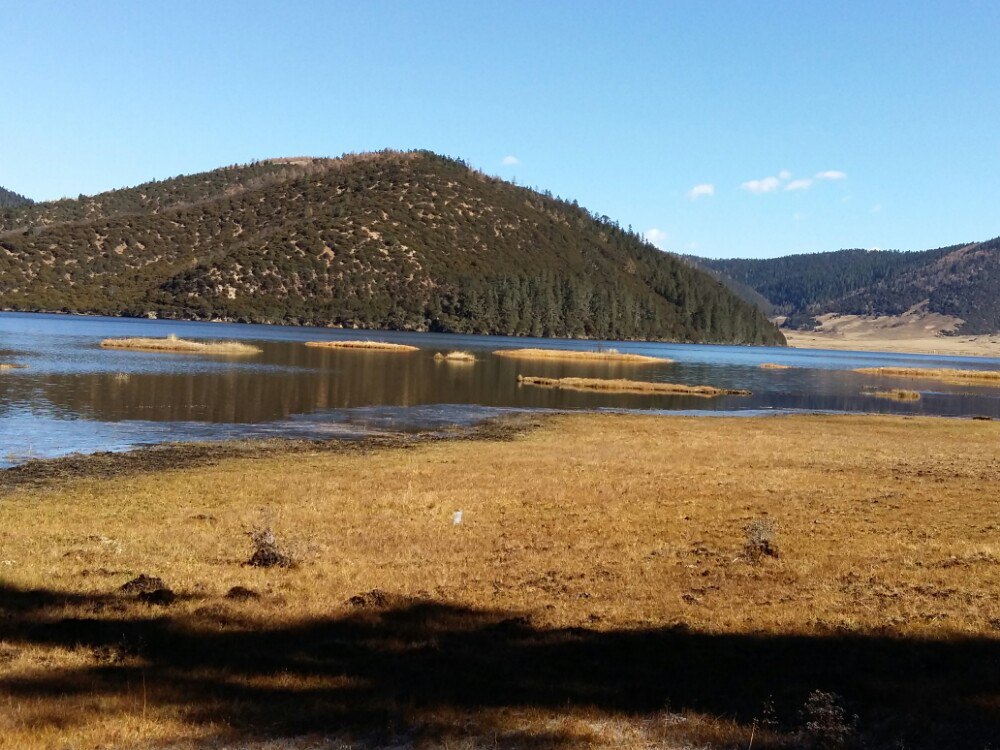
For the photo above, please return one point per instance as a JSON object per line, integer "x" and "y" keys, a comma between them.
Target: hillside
{"x": 396, "y": 240}
{"x": 10, "y": 199}
{"x": 960, "y": 282}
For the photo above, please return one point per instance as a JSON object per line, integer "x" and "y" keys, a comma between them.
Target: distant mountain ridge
{"x": 10, "y": 199}
{"x": 961, "y": 281}
{"x": 402, "y": 240}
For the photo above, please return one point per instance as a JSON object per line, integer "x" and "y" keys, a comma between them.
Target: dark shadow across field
{"x": 404, "y": 666}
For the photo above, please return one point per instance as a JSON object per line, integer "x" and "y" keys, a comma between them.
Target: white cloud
{"x": 831, "y": 174}
{"x": 803, "y": 184}
{"x": 510, "y": 161}
{"x": 784, "y": 174}
{"x": 656, "y": 237}
{"x": 700, "y": 191}
{"x": 765, "y": 185}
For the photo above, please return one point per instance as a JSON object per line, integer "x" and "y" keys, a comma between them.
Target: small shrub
{"x": 265, "y": 550}
{"x": 760, "y": 540}
{"x": 825, "y": 723}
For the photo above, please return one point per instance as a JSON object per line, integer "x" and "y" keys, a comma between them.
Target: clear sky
{"x": 720, "y": 128}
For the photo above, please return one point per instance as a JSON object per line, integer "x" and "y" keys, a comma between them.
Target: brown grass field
{"x": 382, "y": 346}
{"x": 615, "y": 582}
{"x": 896, "y": 394}
{"x": 618, "y": 385}
{"x": 174, "y": 344}
{"x": 961, "y": 377}
{"x": 606, "y": 355}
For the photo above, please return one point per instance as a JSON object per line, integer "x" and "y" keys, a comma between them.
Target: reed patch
{"x": 381, "y": 346}
{"x": 457, "y": 357}
{"x": 960, "y": 377}
{"x": 602, "y": 355}
{"x": 183, "y": 346}
{"x": 642, "y": 387}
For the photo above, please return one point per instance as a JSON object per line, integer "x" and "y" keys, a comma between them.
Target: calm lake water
{"x": 74, "y": 396}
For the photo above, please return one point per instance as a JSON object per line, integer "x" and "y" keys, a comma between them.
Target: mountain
{"x": 402, "y": 240}
{"x": 10, "y": 199}
{"x": 960, "y": 281}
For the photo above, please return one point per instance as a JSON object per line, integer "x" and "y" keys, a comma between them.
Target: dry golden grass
{"x": 460, "y": 357}
{"x": 962, "y": 377}
{"x": 174, "y": 344}
{"x": 895, "y": 394}
{"x": 617, "y": 385}
{"x": 382, "y": 346}
{"x": 606, "y": 355}
{"x": 775, "y": 366}
{"x": 598, "y": 575}
{"x": 11, "y": 366}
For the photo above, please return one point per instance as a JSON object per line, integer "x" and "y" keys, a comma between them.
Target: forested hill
{"x": 410, "y": 241}
{"x": 962, "y": 281}
{"x": 10, "y": 199}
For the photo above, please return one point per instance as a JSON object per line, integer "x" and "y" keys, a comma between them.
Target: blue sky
{"x": 808, "y": 126}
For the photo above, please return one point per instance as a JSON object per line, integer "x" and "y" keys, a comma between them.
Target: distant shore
{"x": 987, "y": 345}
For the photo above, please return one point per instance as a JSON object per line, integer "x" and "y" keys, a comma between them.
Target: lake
{"x": 73, "y": 396}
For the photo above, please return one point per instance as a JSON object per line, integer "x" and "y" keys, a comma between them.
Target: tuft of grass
{"x": 961, "y": 377}
{"x": 895, "y": 394}
{"x": 826, "y": 725}
{"x": 11, "y": 366}
{"x": 760, "y": 535}
{"x": 173, "y": 344}
{"x": 775, "y": 366}
{"x": 382, "y": 346}
{"x": 455, "y": 357}
{"x": 642, "y": 387}
{"x": 265, "y": 550}
{"x": 603, "y": 355}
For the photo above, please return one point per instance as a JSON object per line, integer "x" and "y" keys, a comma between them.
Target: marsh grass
{"x": 457, "y": 356}
{"x": 895, "y": 394}
{"x": 593, "y": 596}
{"x": 602, "y": 355}
{"x": 382, "y": 346}
{"x": 775, "y": 366}
{"x": 642, "y": 387}
{"x": 4, "y": 366}
{"x": 961, "y": 377}
{"x": 174, "y": 344}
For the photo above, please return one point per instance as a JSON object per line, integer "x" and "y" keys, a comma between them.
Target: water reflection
{"x": 128, "y": 397}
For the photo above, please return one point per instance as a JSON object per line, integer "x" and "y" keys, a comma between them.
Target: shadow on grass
{"x": 408, "y": 669}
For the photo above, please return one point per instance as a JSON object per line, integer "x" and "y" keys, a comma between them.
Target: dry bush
{"x": 826, "y": 725}
{"x": 760, "y": 540}
{"x": 265, "y": 550}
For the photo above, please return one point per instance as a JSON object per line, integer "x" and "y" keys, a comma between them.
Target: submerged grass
{"x": 603, "y": 355}
{"x": 895, "y": 394}
{"x": 962, "y": 377}
{"x": 615, "y": 581}
{"x": 383, "y": 346}
{"x": 174, "y": 344}
{"x": 629, "y": 386}
{"x": 455, "y": 357}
